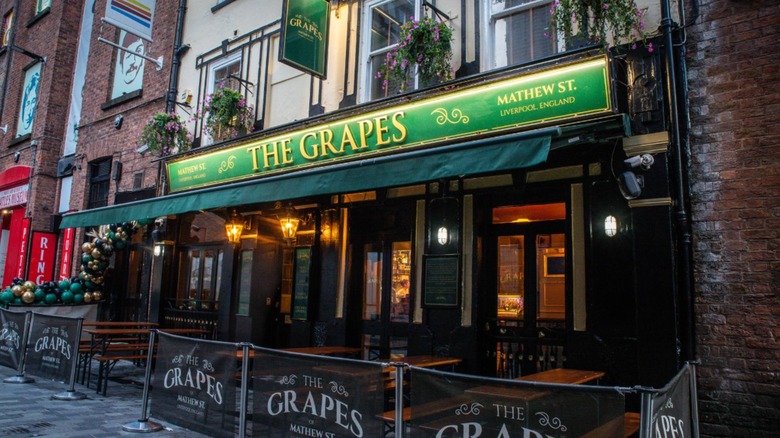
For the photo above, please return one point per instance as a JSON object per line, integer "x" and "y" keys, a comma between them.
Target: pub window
{"x": 6, "y": 29}
{"x": 380, "y": 35}
{"x": 224, "y": 74}
{"x": 128, "y": 68}
{"x": 42, "y": 5}
{"x": 517, "y": 32}
{"x": 99, "y": 183}
{"x": 200, "y": 278}
{"x": 29, "y": 100}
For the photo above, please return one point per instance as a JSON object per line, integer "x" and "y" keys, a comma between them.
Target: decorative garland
{"x": 88, "y": 285}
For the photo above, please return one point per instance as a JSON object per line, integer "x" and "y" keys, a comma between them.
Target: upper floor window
{"x": 99, "y": 183}
{"x": 29, "y": 100}
{"x": 380, "y": 34}
{"x": 226, "y": 74}
{"x": 128, "y": 68}
{"x": 42, "y": 5}
{"x": 518, "y": 32}
{"x": 7, "y": 22}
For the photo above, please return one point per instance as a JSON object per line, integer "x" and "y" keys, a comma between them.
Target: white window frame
{"x": 488, "y": 23}
{"x": 206, "y": 139}
{"x": 42, "y": 5}
{"x": 365, "y": 47}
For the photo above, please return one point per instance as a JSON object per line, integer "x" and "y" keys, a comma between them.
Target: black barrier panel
{"x": 671, "y": 413}
{"x": 53, "y": 347}
{"x": 447, "y": 405}
{"x": 297, "y": 395}
{"x": 194, "y": 384}
{"x": 12, "y": 325}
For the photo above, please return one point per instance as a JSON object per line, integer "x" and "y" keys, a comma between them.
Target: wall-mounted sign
{"x": 500, "y": 107}
{"x": 134, "y": 16}
{"x": 304, "y": 40}
{"x": 129, "y": 68}
{"x": 24, "y": 232}
{"x": 440, "y": 283}
{"x": 67, "y": 253}
{"x": 42, "y": 249}
{"x": 14, "y": 196}
{"x": 300, "y": 303}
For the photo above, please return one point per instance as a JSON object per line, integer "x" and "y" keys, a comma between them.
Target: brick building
{"x": 37, "y": 54}
{"x": 734, "y": 83}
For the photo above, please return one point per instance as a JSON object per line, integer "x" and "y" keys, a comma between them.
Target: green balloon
{"x": 67, "y": 297}
{"x": 6, "y": 296}
{"x": 17, "y": 300}
{"x": 75, "y": 288}
{"x": 39, "y": 295}
{"x": 50, "y": 299}
{"x": 64, "y": 285}
{"x": 78, "y": 298}
{"x": 120, "y": 244}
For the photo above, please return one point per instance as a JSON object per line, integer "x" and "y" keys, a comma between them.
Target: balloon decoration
{"x": 87, "y": 286}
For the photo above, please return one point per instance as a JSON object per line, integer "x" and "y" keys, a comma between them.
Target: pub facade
{"x": 520, "y": 216}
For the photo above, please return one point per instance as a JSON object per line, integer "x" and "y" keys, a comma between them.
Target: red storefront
{"x": 15, "y": 229}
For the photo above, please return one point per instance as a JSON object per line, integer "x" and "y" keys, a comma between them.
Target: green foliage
{"x": 425, "y": 44}
{"x": 165, "y": 134}
{"x": 596, "y": 20}
{"x": 225, "y": 114}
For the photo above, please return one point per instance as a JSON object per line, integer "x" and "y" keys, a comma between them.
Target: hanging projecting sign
{"x": 304, "y": 41}
{"x": 42, "y": 249}
{"x": 32, "y": 79}
{"x": 134, "y": 16}
{"x": 574, "y": 91}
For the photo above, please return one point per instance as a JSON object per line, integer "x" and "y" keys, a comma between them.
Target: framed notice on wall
{"x": 300, "y": 305}
{"x": 440, "y": 281}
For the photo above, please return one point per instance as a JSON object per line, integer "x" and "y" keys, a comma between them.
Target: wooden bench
{"x": 108, "y": 359}
{"x": 630, "y": 422}
{"x": 422, "y": 410}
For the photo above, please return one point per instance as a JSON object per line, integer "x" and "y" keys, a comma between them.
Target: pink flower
{"x": 650, "y": 47}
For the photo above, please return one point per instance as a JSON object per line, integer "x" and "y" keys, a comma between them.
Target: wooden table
{"x": 563, "y": 376}
{"x": 428, "y": 361}
{"x": 325, "y": 350}
{"x": 119, "y": 324}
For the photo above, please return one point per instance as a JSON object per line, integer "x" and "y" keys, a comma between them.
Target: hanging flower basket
{"x": 225, "y": 114}
{"x": 597, "y": 20}
{"x": 424, "y": 44}
{"x": 165, "y": 134}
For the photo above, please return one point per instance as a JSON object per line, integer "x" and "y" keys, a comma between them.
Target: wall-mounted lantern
{"x": 443, "y": 225}
{"x": 610, "y": 226}
{"x": 234, "y": 227}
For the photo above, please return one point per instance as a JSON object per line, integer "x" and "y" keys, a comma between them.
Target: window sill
{"x": 221, "y": 5}
{"x": 122, "y": 99}
{"x": 19, "y": 140}
{"x": 37, "y": 17}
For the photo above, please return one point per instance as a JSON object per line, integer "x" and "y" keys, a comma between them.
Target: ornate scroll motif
{"x": 472, "y": 409}
{"x": 338, "y": 389}
{"x": 288, "y": 380}
{"x": 454, "y": 117}
{"x": 227, "y": 165}
{"x": 554, "y": 423}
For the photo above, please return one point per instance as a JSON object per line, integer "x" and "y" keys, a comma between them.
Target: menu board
{"x": 300, "y": 308}
{"x": 440, "y": 287}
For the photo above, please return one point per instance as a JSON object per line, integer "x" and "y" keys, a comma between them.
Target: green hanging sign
{"x": 304, "y": 41}
{"x": 574, "y": 91}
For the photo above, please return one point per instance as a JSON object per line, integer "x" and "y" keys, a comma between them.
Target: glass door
{"x": 385, "y": 308}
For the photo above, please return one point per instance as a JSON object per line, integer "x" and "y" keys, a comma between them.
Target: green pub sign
{"x": 304, "y": 40}
{"x": 573, "y": 91}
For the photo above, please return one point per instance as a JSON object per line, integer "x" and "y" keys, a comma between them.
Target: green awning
{"x": 489, "y": 155}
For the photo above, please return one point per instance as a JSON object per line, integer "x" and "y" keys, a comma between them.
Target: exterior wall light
{"x": 610, "y": 226}
{"x": 443, "y": 225}
{"x": 289, "y": 225}
{"x": 443, "y": 236}
{"x": 234, "y": 228}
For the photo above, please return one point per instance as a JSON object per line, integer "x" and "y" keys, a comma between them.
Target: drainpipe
{"x": 9, "y": 54}
{"x": 178, "y": 51}
{"x": 685, "y": 288}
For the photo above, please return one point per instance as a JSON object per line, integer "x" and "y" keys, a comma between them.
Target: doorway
{"x": 523, "y": 307}
{"x": 379, "y": 306}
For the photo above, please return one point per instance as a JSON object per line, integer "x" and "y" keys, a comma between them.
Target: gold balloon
{"x": 97, "y": 280}
{"x": 87, "y": 247}
{"x": 28, "y": 285}
{"x": 96, "y": 254}
{"x": 97, "y": 296}
{"x": 28, "y": 297}
{"x": 17, "y": 290}
{"x": 87, "y": 297}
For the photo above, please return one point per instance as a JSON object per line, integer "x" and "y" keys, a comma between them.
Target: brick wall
{"x": 52, "y": 35}
{"x": 734, "y": 79}
{"x": 98, "y": 138}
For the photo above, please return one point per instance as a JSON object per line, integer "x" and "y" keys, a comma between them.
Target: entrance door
{"x": 524, "y": 304}
{"x": 379, "y": 311}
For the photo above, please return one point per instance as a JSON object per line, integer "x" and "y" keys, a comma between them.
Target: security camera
{"x": 643, "y": 162}
{"x": 118, "y": 121}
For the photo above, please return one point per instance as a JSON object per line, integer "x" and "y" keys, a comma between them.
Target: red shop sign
{"x": 42, "y": 249}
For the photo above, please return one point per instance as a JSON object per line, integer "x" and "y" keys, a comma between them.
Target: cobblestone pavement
{"x": 28, "y": 410}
